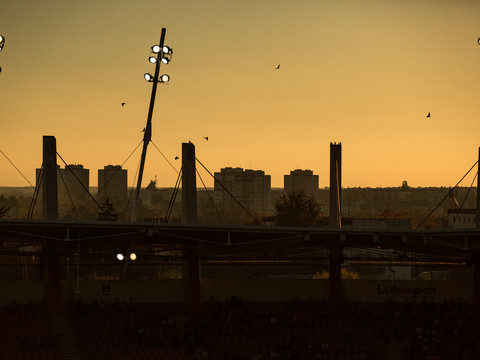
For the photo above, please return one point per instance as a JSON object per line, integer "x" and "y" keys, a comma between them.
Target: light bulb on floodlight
{"x": 165, "y": 78}
{"x": 120, "y": 257}
{"x": 1, "y": 38}
{"x": 152, "y": 59}
{"x": 167, "y": 50}
{"x": 148, "y": 77}
{"x": 165, "y": 60}
{"x": 133, "y": 256}
{"x": 155, "y": 49}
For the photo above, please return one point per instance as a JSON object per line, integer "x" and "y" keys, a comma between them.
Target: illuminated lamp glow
{"x": 120, "y": 257}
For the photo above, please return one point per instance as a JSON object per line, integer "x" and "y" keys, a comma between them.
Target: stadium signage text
{"x": 406, "y": 290}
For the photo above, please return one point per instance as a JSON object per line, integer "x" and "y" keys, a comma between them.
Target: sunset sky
{"x": 363, "y": 73}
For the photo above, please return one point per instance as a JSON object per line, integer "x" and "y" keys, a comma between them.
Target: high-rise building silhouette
{"x": 252, "y": 188}
{"x": 301, "y": 180}
{"x": 112, "y": 184}
{"x": 73, "y": 184}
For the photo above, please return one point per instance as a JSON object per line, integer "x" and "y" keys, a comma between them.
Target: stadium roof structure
{"x": 239, "y": 243}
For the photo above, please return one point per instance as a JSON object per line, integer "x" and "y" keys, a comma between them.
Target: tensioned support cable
{"x": 10, "y": 161}
{"x": 226, "y": 190}
{"x": 131, "y": 192}
{"x": 174, "y": 196}
{"x": 173, "y": 167}
{"x": 210, "y": 197}
{"x": 446, "y": 196}
{"x": 35, "y": 189}
{"x": 76, "y": 177}
{"x": 68, "y": 192}
{"x": 38, "y": 183}
{"x": 115, "y": 173}
{"x": 464, "y": 199}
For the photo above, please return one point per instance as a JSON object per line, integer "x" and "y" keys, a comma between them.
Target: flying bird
{"x": 428, "y": 115}
{"x": 123, "y": 104}
{"x": 176, "y": 157}
{"x": 278, "y": 67}
{"x": 206, "y": 138}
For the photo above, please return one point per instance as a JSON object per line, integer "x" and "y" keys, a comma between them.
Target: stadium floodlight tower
{"x": 160, "y": 54}
{"x": 2, "y": 44}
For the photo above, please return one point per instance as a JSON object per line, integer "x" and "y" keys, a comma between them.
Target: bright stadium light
{"x": 148, "y": 77}
{"x": 164, "y": 78}
{"x": 167, "y": 50}
{"x": 120, "y": 257}
{"x": 2, "y": 42}
{"x": 152, "y": 59}
{"x": 155, "y": 49}
{"x": 133, "y": 256}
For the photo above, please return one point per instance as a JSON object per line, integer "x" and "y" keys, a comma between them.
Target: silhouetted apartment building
{"x": 301, "y": 180}
{"x": 252, "y": 188}
{"x": 73, "y": 184}
{"x": 112, "y": 184}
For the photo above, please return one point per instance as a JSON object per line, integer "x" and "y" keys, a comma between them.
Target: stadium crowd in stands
{"x": 242, "y": 330}
{"x": 309, "y": 330}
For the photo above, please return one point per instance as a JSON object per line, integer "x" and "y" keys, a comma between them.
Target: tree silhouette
{"x": 389, "y": 214}
{"x": 108, "y": 212}
{"x": 297, "y": 209}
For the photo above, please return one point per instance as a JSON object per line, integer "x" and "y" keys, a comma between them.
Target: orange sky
{"x": 363, "y": 73}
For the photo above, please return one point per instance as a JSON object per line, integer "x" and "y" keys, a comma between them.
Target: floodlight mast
{"x": 147, "y": 136}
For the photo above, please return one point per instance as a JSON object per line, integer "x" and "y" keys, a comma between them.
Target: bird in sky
{"x": 176, "y": 157}
{"x": 123, "y": 104}
{"x": 206, "y": 138}
{"x": 428, "y": 115}
{"x": 278, "y": 67}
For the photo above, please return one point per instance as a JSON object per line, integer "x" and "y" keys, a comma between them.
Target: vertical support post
{"x": 189, "y": 184}
{"x": 191, "y": 268}
{"x": 50, "y": 212}
{"x": 335, "y": 184}
{"x": 477, "y": 214}
{"x": 335, "y": 280}
{"x": 49, "y": 188}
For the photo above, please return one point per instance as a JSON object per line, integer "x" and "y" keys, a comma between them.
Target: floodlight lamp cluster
{"x": 132, "y": 256}
{"x": 2, "y": 42}
{"x": 163, "y": 54}
{"x": 163, "y": 78}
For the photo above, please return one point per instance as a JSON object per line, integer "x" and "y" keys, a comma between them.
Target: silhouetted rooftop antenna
{"x": 161, "y": 54}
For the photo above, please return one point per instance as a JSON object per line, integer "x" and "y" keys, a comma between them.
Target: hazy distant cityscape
{"x": 235, "y": 188}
